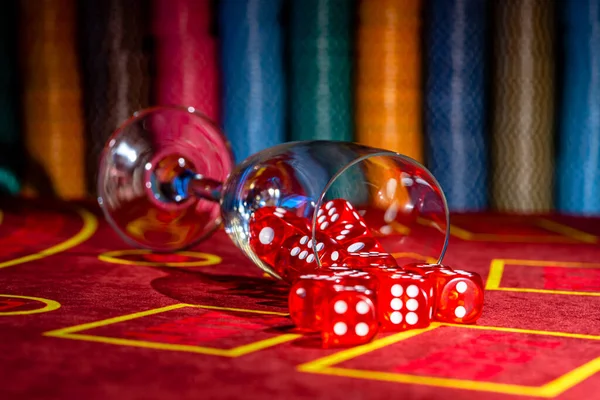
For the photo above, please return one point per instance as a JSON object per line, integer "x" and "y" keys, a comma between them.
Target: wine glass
{"x": 167, "y": 181}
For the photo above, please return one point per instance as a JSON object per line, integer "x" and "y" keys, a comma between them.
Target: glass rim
{"x": 379, "y": 153}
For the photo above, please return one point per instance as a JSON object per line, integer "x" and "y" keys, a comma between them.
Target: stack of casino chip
{"x": 11, "y": 155}
{"x": 186, "y": 56}
{"x": 115, "y": 70}
{"x": 52, "y": 99}
{"x": 321, "y": 69}
{"x": 523, "y": 97}
{"x": 455, "y": 101}
{"x": 254, "y": 88}
{"x": 388, "y": 76}
{"x": 578, "y": 171}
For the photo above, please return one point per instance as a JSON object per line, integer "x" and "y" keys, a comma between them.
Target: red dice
{"x": 269, "y": 228}
{"x": 372, "y": 259}
{"x": 458, "y": 295}
{"x": 306, "y": 298}
{"x": 404, "y": 301}
{"x": 359, "y": 288}
{"x": 310, "y": 292}
{"x": 338, "y": 220}
{"x": 284, "y": 241}
{"x": 461, "y": 299}
{"x": 297, "y": 257}
{"x": 350, "y": 319}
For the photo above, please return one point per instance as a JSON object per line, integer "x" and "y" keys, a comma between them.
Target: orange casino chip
{"x": 388, "y": 91}
{"x": 53, "y": 123}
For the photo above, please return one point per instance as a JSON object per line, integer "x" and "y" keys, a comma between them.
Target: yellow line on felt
{"x": 234, "y": 352}
{"x": 90, "y": 224}
{"x": 460, "y": 233}
{"x": 50, "y": 305}
{"x": 551, "y": 389}
{"x": 434, "y": 381}
{"x": 122, "y": 318}
{"x": 205, "y": 259}
{"x": 549, "y": 263}
{"x": 565, "y": 230}
{"x": 336, "y": 358}
{"x": 263, "y": 344}
{"x": 525, "y": 331}
{"x": 399, "y": 228}
{"x": 492, "y": 237}
{"x": 418, "y": 256}
{"x": 495, "y": 274}
{"x": 571, "y": 378}
{"x": 69, "y": 333}
{"x": 238, "y": 310}
{"x": 148, "y": 345}
{"x": 345, "y": 355}
{"x": 497, "y": 270}
{"x": 546, "y": 291}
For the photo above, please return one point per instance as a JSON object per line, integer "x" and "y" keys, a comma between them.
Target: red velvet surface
{"x": 539, "y": 338}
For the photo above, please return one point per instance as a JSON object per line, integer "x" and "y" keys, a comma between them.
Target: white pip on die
{"x": 404, "y": 301}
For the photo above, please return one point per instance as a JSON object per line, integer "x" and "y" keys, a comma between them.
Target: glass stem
{"x": 205, "y": 188}
{"x": 189, "y": 184}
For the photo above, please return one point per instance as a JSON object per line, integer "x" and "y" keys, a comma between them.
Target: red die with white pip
{"x": 338, "y": 220}
{"x": 350, "y": 319}
{"x": 310, "y": 292}
{"x": 297, "y": 256}
{"x": 458, "y": 294}
{"x": 461, "y": 298}
{"x": 269, "y": 229}
{"x": 371, "y": 259}
{"x": 404, "y": 301}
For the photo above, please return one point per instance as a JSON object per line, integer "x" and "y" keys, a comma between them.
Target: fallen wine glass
{"x": 167, "y": 180}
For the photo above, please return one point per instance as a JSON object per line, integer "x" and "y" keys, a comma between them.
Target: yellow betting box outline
{"x": 49, "y": 305}
{"x": 564, "y": 234}
{"x": 200, "y": 259}
{"x": 72, "y": 333}
{"x": 90, "y": 224}
{"x": 326, "y": 366}
{"x": 497, "y": 270}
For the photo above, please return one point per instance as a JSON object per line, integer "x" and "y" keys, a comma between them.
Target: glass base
{"x": 137, "y": 169}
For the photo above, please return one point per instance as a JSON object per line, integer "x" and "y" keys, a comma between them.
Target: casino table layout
{"x": 85, "y": 316}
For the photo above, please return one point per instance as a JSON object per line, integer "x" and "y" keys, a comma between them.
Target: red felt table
{"x": 84, "y": 316}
